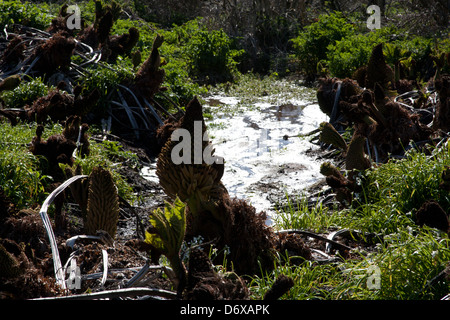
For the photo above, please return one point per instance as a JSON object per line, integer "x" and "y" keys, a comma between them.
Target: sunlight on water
{"x": 264, "y": 157}
{"x": 262, "y": 149}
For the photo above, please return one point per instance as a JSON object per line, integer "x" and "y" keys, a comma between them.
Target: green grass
{"x": 409, "y": 257}
{"x": 296, "y": 214}
{"x": 21, "y": 175}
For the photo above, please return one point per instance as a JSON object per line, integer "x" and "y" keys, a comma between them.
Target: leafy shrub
{"x": 29, "y": 14}
{"x": 25, "y": 93}
{"x": 312, "y": 42}
{"x": 348, "y": 54}
{"x": 352, "y": 52}
{"x": 212, "y": 56}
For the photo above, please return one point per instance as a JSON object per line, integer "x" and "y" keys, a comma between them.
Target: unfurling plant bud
{"x": 329, "y": 135}
{"x": 103, "y": 203}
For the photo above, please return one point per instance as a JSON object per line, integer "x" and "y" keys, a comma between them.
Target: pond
{"x": 258, "y": 136}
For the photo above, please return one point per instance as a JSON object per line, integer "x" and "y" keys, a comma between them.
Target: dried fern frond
{"x": 103, "y": 203}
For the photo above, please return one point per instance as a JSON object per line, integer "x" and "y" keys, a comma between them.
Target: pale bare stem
{"x": 105, "y": 266}
{"x": 142, "y": 109}
{"x": 153, "y": 111}
{"x": 59, "y": 271}
{"x": 119, "y": 293}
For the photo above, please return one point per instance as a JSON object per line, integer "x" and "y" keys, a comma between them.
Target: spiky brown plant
{"x": 103, "y": 203}
{"x": 188, "y": 181}
{"x": 326, "y": 94}
{"x": 401, "y": 128}
{"x": 122, "y": 44}
{"x": 56, "y": 105}
{"x": 378, "y": 71}
{"x": 328, "y": 169}
{"x": 56, "y": 149}
{"x": 356, "y": 159}
{"x": 205, "y": 284}
{"x": 55, "y": 53}
{"x": 246, "y": 226}
{"x": 432, "y": 215}
{"x": 74, "y": 130}
{"x": 150, "y": 76}
{"x": 342, "y": 186}
{"x": 14, "y": 51}
{"x": 329, "y": 135}
{"x": 445, "y": 176}
{"x": 281, "y": 285}
{"x": 442, "y": 117}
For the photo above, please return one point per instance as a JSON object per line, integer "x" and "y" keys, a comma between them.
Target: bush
{"x": 29, "y": 14}
{"x": 25, "y": 93}
{"x": 352, "y": 52}
{"x": 312, "y": 43}
{"x": 211, "y": 55}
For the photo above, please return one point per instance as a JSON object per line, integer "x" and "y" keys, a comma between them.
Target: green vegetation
{"x": 409, "y": 257}
{"x": 168, "y": 235}
{"x": 21, "y": 175}
{"x": 20, "y": 178}
{"x": 199, "y": 58}
{"x": 25, "y": 93}
{"x": 312, "y": 43}
{"x": 26, "y": 13}
{"x": 211, "y": 55}
{"x": 335, "y": 46}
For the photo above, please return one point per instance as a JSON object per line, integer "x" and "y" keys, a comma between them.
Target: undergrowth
{"x": 408, "y": 258}
{"x": 21, "y": 177}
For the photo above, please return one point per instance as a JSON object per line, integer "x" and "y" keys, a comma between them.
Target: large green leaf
{"x": 169, "y": 228}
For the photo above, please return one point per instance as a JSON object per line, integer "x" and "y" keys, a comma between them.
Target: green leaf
{"x": 170, "y": 227}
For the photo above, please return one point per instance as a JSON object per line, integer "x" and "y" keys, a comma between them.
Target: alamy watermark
{"x": 374, "y": 21}
{"x": 372, "y": 276}
{"x": 74, "y": 279}
{"x": 74, "y": 20}
{"x": 182, "y": 153}
{"x": 374, "y": 280}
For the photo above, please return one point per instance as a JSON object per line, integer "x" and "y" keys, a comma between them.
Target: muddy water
{"x": 265, "y": 159}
